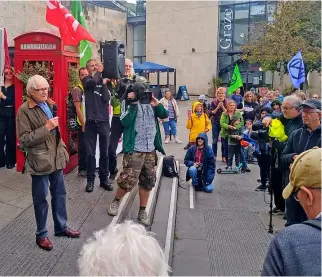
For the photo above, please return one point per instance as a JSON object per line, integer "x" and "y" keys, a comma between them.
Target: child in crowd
{"x": 198, "y": 122}
{"x": 205, "y": 105}
{"x": 276, "y": 106}
{"x": 234, "y": 147}
{"x": 263, "y": 152}
{"x": 249, "y": 150}
{"x": 238, "y": 99}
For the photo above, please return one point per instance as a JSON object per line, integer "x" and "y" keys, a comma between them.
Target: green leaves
{"x": 297, "y": 25}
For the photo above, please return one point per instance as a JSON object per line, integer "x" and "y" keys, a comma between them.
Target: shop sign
{"x": 226, "y": 30}
{"x": 38, "y": 46}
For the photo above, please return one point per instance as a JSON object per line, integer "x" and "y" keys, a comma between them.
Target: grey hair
{"x": 31, "y": 85}
{"x": 294, "y": 100}
{"x": 125, "y": 249}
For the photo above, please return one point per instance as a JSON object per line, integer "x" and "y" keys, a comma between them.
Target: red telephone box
{"x": 46, "y": 47}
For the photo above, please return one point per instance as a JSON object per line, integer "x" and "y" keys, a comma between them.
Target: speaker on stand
{"x": 113, "y": 57}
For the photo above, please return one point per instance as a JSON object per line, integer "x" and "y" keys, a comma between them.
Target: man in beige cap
{"x": 296, "y": 250}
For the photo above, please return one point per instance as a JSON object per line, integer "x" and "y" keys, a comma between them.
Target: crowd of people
{"x": 278, "y": 132}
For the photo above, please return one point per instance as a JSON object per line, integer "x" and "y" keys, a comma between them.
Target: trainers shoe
{"x": 143, "y": 218}
{"x": 275, "y": 210}
{"x": 246, "y": 169}
{"x": 166, "y": 141}
{"x": 223, "y": 159}
{"x": 89, "y": 187}
{"x": 113, "y": 208}
{"x": 82, "y": 173}
{"x": 260, "y": 188}
{"x": 178, "y": 141}
{"x": 107, "y": 187}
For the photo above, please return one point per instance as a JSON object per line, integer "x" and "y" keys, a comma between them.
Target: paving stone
{"x": 185, "y": 265}
{"x": 22, "y": 202}
{"x": 242, "y": 249}
{"x": 190, "y": 224}
{"x": 191, "y": 247}
{"x": 8, "y": 213}
{"x": 7, "y": 194}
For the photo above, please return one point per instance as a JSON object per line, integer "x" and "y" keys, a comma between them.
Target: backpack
{"x": 169, "y": 167}
{"x": 72, "y": 124}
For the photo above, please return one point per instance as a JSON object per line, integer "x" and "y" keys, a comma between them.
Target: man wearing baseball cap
{"x": 296, "y": 250}
{"x": 301, "y": 140}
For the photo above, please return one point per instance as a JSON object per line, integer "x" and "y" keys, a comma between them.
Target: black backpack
{"x": 72, "y": 124}
{"x": 169, "y": 167}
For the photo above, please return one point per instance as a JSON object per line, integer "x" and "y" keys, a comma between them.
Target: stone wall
{"x": 19, "y": 17}
{"x": 177, "y": 27}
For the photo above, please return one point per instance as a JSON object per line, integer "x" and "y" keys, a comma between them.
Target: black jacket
{"x": 300, "y": 141}
{"x": 97, "y": 97}
{"x": 249, "y": 110}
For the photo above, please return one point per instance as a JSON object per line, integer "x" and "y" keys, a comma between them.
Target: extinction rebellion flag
{"x": 236, "y": 81}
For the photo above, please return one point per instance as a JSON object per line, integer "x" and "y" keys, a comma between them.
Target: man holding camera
{"x": 141, "y": 139}
{"x": 97, "y": 99}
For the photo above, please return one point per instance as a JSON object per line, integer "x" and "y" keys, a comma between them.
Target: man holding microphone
{"x": 46, "y": 157}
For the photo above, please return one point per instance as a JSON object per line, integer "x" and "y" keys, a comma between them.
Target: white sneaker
{"x": 166, "y": 141}
{"x": 113, "y": 208}
{"x": 143, "y": 218}
{"x": 178, "y": 141}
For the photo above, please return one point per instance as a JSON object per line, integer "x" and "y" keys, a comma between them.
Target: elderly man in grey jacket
{"x": 46, "y": 157}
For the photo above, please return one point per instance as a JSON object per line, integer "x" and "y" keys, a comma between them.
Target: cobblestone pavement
{"x": 225, "y": 233}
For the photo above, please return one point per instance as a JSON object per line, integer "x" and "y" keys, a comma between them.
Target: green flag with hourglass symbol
{"x": 236, "y": 81}
{"x": 85, "y": 48}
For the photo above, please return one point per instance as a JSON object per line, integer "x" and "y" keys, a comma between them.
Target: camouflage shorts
{"x": 138, "y": 167}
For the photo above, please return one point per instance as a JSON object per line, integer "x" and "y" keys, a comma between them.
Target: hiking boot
{"x": 223, "y": 159}
{"x": 89, "y": 187}
{"x": 187, "y": 146}
{"x": 143, "y": 218}
{"x": 113, "y": 208}
{"x": 260, "y": 188}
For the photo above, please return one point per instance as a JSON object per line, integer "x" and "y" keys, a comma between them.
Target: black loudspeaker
{"x": 113, "y": 56}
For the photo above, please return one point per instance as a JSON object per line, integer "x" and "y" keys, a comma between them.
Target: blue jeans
{"x": 224, "y": 148}
{"x": 243, "y": 158}
{"x": 171, "y": 124}
{"x": 193, "y": 173}
{"x": 215, "y": 129}
{"x": 57, "y": 188}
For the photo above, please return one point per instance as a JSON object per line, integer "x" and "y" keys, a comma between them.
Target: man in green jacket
{"x": 141, "y": 139}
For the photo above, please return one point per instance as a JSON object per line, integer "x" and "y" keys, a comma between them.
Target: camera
{"x": 259, "y": 133}
{"x": 142, "y": 91}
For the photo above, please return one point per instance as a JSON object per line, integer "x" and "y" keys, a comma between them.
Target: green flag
{"x": 85, "y": 48}
{"x": 236, "y": 81}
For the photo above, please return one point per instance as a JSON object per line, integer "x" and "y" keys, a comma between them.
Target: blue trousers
{"x": 215, "y": 130}
{"x": 193, "y": 173}
{"x": 171, "y": 124}
{"x": 243, "y": 158}
{"x": 40, "y": 184}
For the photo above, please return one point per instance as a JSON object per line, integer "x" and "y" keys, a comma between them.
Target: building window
{"x": 139, "y": 42}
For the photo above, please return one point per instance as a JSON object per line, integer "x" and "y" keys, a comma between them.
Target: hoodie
{"x": 208, "y": 161}
{"x": 197, "y": 124}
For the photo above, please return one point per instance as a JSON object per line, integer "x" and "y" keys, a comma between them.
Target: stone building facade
{"x": 19, "y": 17}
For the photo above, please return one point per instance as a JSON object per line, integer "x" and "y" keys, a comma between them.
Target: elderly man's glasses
{"x": 41, "y": 89}
{"x": 296, "y": 191}
{"x": 310, "y": 111}
{"x": 286, "y": 108}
